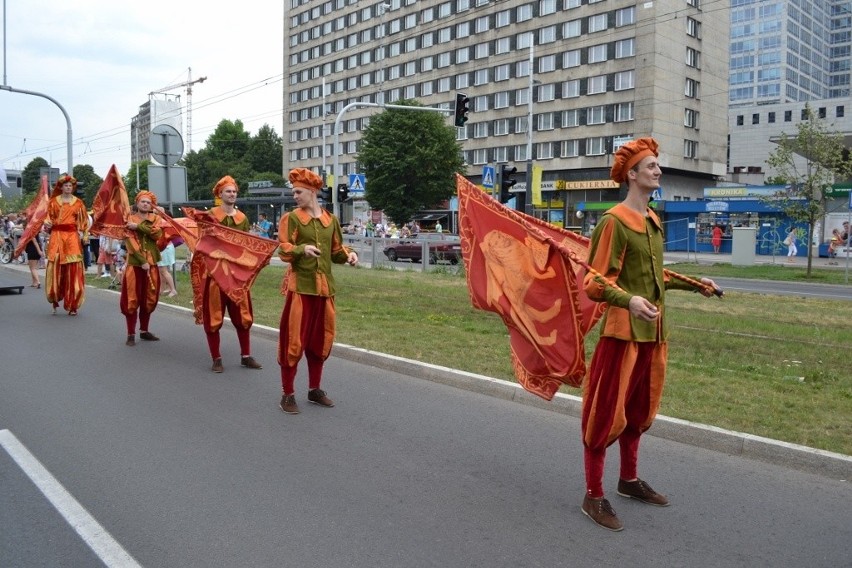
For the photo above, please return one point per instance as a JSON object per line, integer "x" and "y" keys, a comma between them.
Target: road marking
{"x": 93, "y": 534}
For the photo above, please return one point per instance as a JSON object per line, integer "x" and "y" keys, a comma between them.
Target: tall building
{"x": 603, "y": 72}
{"x": 160, "y": 109}
{"x": 789, "y": 50}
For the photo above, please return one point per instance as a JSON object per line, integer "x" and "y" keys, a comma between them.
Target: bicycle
{"x": 7, "y": 250}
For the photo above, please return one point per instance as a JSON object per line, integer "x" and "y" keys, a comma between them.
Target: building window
{"x": 545, "y": 121}
{"x": 693, "y": 58}
{"x": 443, "y": 84}
{"x": 596, "y": 146}
{"x": 544, "y": 151}
{"x": 482, "y": 50}
{"x": 570, "y": 118}
{"x": 462, "y": 81}
{"x": 521, "y": 154}
{"x": 480, "y": 156}
{"x": 524, "y": 13}
{"x": 480, "y": 103}
{"x": 480, "y": 77}
{"x": 501, "y": 99}
{"x": 480, "y": 130}
{"x": 571, "y": 59}
{"x": 547, "y": 64}
{"x": 546, "y": 7}
{"x": 571, "y": 89}
{"x": 693, "y": 27}
{"x": 481, "y": 25}
{"x": 788, "y": 115}
{"x": 462, "y": 56}
{"x": 520, "y": 124}
{"x": 547, "y": 35}
{"x": 502, "y": 72}
{"x": 770, "y": 117}
{"x": 571, "y": 4}
{"x": 690, "y": 149}
{"x": 546, "y": 93}
{"x": 570, "y": 148}
{"x": 504, "y": 18}
{"x": 691, "y": 89}
{"x": 625, "y": 48}
{"x": 623, "y": 112}
{"x": 597, "y": 23}
{"x": 624, "y": 80}
{"x": 462, "y": 30}
{"x": 690, "y": 118}
{"x": 503, "y": 45}
{"x": 522, "y": 97}
{"x": 596, "y": 85}
{"x": 625, "y": 16}
{"x": 571, "y": 29}
{"x": 501, "y": 154}
{"x": 755, "y": 118}
{"x": 501, "y": 127}
{"x": 838, "y": 112}
{"x": 597, "y": 53}
{"x": 694, "y": 3}
{"x": 740, "y": 120}
{"x": 596, "y": 115}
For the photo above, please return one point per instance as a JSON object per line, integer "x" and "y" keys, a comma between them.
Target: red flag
{"x": 35, "y": 214}
{"x": 111, "y": 207}
{"x": 530, "y": 273}
{"x": 232, "y": 257}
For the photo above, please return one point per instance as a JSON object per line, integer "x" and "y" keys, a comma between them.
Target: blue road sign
{"x": 488, "y": 177}
{"x": 357, "y": 184}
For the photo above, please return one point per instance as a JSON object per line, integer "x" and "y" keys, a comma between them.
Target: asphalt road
{"x": 185, "y": 468}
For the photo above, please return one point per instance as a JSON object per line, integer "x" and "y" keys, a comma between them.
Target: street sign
{"x": 488, "y": 177}
{"x": 168, "y": 184}
{"x": 166, "y": 145}
{"x": 357, "y": 184}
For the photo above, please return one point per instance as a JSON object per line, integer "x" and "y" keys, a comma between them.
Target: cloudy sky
{"x": 100, "y": 58}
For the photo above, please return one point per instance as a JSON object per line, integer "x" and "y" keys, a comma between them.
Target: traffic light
{"x": 325, "y": 194}
{"x": 462, "y": 108}
{"x": 342, "y": 192}
{"x": 503, "y": 182}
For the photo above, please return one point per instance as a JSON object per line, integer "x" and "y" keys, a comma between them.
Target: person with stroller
{"x": 140, "y": 286}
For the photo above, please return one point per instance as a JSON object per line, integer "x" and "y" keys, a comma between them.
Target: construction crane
{"x": 188, "y": 84}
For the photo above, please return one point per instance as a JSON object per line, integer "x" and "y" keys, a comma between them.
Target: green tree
{"x": 130, "y": 179}
{"x": 409, "y": 159}
{"x": 265, "y": 151}
{"x": 822, "y": 152}
{"x": 31, "y": 178}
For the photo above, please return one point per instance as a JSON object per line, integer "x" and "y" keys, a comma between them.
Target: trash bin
{"x": 743, "y": 246}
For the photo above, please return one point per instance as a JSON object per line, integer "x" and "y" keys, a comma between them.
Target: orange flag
{"x": 111, "y": 207}
{"x": 530, "y": 273}
{"x": 233, "y": 258}
{"x": 35, "y": 214}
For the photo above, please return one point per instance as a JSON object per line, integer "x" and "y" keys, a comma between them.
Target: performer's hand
{"x": 146, "y": 266}
{"x": 352, "y": 260}
{"x": 716, "y": 291}
{"x": 131, "y": 225}
{"x": 313, "y": 251}
{"x": 643, "y": 309}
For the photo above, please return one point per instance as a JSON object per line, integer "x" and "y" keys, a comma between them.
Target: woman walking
{"x": 790, "y": 241}
{"x": 34, "y": 256}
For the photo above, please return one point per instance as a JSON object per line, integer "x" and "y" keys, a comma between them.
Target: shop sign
{"x": 721, "y": 206}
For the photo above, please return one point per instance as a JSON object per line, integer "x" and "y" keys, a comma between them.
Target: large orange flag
{"x": 233, "y": 258}
{"x": 111, "y": 207}
{"x": 530, "y": 273}
{"x": 35, "y": 214}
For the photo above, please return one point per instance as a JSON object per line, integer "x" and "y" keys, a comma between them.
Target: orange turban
{"x": 222, "y": 183}
{"x": 305, "y": 179}
{"x": 63, "y": 179}
{"x": 631, "y": 154}
{"x": 148, "y": 194}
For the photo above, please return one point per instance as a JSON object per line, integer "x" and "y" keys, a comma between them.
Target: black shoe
{"x": 148, "y": 336}
{"x": 317, "y": 396}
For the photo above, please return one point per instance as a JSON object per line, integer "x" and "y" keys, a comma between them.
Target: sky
{"x": 99, "y": 59}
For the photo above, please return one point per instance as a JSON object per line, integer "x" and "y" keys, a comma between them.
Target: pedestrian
{"x": 167, "y": 260}
{"x": 264, "y": 226}
{"x": 34, "y": 255}
{"x": 106, "y": 249}
{"x": 214, "y": 302}
{"x": 716, "y": 239}
{"x": 622, "y": 390}
{"x": 68, "y": 223}
{"x": 790, "y": 241}
{"x": 140, "y": 285}
{"x": 310, "y": 240}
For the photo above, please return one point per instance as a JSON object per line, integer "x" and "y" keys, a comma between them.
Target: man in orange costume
{"x": 140, "y": 286}
{"x": 68, "y": 222}
{"x": 214, "y": 301}
{"x": 622, "y": 392}
{"x": 311, "y": 240}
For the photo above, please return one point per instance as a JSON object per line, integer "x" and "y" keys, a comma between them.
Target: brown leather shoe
{"x": 131, "y": 340}
{"x": 317, "y": 396}
{"x": 601, "y": 513}
{"x": 288, "y": 404}
{"x": 148, "y": 336}
{"x": 642, "y": 491}
{"x": 217, "y": 366}
{"x": 250, "y": 363}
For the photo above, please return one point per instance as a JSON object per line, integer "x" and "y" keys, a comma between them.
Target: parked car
{"x": 448, "y": 251}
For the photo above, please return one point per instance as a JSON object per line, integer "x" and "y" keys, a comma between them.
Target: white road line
{"x": 93, "y": 534}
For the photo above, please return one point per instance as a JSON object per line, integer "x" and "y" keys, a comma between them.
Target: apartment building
{"x": 603, "y": 72}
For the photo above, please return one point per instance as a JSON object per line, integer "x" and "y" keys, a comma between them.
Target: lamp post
{"x": 528, "y": 206}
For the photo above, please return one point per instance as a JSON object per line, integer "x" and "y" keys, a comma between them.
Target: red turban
{"x": 63, "y": 179}
{"x": 149, "y": 195}
{"x": 305, "y": 179}
{"x": 222, "y": 183}
{"x": 631, "y": 154}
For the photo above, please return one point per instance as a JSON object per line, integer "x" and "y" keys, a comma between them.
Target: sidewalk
{"x": 781, "y": 260}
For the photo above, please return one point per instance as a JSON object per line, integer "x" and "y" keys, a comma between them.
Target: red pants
{"x": 307, "y": 327}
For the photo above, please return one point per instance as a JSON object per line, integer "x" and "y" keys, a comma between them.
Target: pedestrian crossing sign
{"x": 488, "y": 177}
{"x": 357, "y": 184}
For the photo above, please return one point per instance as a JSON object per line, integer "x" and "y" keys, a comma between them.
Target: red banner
{"x": 111, "y": 207}
{"x": 232, "y": 257}
{"x": 530, "y": 273}
{"x": 35, "y": 214}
